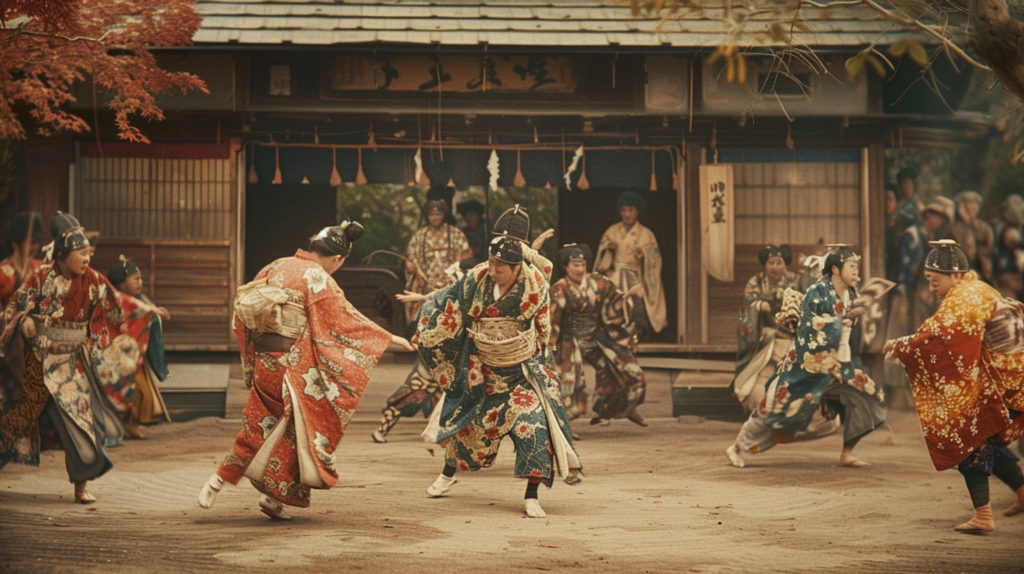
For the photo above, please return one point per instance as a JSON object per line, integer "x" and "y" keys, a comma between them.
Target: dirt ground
{"x": 660, "y": 499}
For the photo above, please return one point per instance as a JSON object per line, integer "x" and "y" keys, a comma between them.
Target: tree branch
{"x": 917, "y": 25}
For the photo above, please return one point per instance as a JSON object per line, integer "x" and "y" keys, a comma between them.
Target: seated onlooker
{"x": 1008, "y": 263}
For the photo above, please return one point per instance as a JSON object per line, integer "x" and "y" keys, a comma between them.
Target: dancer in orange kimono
{"x": 966, "y": 368}
{"x": 307, "y": 354}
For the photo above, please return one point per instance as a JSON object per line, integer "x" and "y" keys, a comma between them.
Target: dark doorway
{"x": 281, "y": 218}
{"x": 585, "y": 215}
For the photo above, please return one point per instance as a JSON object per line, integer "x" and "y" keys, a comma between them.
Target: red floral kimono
{"x": 89, "y": 337}
{"x": 302, "y": 400}
{"x": 961, "y": 388}
{"x": 10, "y": 278}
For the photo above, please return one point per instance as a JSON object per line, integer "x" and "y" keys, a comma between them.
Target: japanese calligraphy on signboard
{"x": 716, "y": 220}
{"x": 402, "y": 73}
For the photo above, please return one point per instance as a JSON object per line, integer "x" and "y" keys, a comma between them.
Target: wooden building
{"x": 304, "y": 92}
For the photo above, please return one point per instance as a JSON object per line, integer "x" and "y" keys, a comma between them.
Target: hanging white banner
{"x": 716, "y": 220}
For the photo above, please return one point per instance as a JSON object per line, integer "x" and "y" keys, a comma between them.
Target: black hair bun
{"x": 353, "y": 231}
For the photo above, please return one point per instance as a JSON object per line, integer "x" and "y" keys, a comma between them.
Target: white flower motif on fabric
{"x": 267, "y": 425}
{"x": 316, "y": 279}
{"x": 318, "y": 388}
{"x": 122, "y": 356}
{"x": 320, "y": 444}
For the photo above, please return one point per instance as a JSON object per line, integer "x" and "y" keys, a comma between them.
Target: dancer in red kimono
{"x": 966, "y": 369}
{"x": 83, "y": 342}
{"x": 307, "y": 354}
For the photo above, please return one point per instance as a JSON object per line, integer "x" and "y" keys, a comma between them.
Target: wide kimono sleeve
{"x": 460, "y": 244}
{"x": 819, "y": 334}
{"x": 345, "y": 346}
{"x": 652, "y": 264}
{"x": 959, "y": 404}
{"x": 605, "y": 253}
{"x": 119, "y": 331}
{"x": 559, "y": 301}
{"x": 748, "y": 331}
{"x": 614, "y": 310}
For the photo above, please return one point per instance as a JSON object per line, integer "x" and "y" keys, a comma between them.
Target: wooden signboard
{"x": 716, "y": 220}
{"x": 406, "y": 73}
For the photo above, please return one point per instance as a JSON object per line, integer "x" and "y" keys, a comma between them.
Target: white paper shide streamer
{"x": 572, "y": 166}
{"x": 418, "y": 158}
{"x": 492, "y": 168}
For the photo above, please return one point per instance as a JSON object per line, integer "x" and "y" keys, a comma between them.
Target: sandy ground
{"x": 660, "y": 499}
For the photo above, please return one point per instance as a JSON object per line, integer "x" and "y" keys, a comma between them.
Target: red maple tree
{"x": 46, "y": 46}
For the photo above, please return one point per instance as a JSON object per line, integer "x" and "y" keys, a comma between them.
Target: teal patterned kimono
{"x": 817, "y": 360}
{"x": 753, "y": 321}
{"x": 484, "y": 404}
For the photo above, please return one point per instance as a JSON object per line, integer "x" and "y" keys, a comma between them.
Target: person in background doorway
{"x": 434, "y": 247}
{"x": 975, "y": 237}
{"x": 628, "y": 255}
{"x": 472, "y": 211}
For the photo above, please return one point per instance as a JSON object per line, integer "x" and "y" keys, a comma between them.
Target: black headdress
{"x": 946, "y": 257}
{"x": 507, "y": 250}
{"x": 68, "y": 235}
{"x": 122, "y": 271}
{"x": 514, "y": 223}
{"x": 632, "y": 199}
{"x": 337, "y": 240}
{"x": 470, "y": 206}
{"x": 906, "y": 173}
{"x": 574, "y": 251}
{"x": 837, "y": 255}
{"x": 770, "y": 251}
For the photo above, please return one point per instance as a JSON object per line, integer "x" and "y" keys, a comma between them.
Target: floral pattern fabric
{"x": 630, "y": 255}
{"x": 433, "y": 250}
{"x": 795, "y": 392}
{"x": 961, "y": 389}
{"x": 483, "y": 404}
{"x": 750, "y": 333}
{"x": 11, "y": 279}
{"x": 301, "y": 401}
{"x": 620, "y": 386}
{"x": 117, "y": 332}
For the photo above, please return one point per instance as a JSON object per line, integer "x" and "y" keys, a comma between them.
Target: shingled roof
{"x": 583, "y": 23}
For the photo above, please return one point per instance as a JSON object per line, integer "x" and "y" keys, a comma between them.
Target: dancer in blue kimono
{"x": 484, "y": 339}
{"x": 822, "y": 370}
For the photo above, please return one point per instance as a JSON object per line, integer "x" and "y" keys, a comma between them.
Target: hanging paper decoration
{"x": 582, "y": 182}
{"x": 451, "y": 182}
{"x": 305, "y": 180}
{"x": 654, "y": 180}
{"x": 547, "y": 185}
{"x": 277, "y": 165}
{"x": 572, "y": 167}
{"x": 252, "y": 170}
{"x": 335, "y": 176}
{"x": 360, "y": 176}
{"x": 421, "y": 176}
{"x": 519, "y": 180}
{"x": 492, "y": 168}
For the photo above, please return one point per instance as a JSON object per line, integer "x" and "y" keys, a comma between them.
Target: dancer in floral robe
{"x": 589, "y": 323}
{"x": 85, "y": 342}
{"x": 629, "y": 255}
{"x": 760, "y": 346}
{"x": 966, "y": 369}
{"x": 306, "y": 356}
{"x": 419, "y": 393}
{"x": 433, "y": 248}
{"x": 823, "y": 367}
{"x": 148, "y": 406}
{"x": 23, "y": 239}
{"x": 484, "y": 339}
